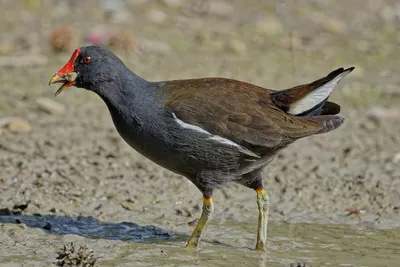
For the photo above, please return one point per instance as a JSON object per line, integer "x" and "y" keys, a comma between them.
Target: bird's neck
{"x": 122, "y": 91}
{"x": 126, "y": 99}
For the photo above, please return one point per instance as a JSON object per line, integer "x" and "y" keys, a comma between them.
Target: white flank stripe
{"x": 189, "y": 126}
{"x": 212, "y": 137}
{"x": 316, "y": 96}
{"x": 222, "y": 140}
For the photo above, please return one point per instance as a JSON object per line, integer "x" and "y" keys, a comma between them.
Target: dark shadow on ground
{"x": 90, "y": 227}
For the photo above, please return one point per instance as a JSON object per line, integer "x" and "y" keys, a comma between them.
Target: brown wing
{"x": 241, "y": 112}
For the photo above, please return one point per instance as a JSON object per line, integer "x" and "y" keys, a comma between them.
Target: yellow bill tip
{"x": 54, "y": 79}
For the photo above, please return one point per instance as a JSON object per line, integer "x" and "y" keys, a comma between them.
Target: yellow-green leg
{"x": 263, "y": 207}
{"x": 208, "y": 209}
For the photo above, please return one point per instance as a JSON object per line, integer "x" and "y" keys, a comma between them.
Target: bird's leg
{"x": 208, "y": 209}
{"x": 263, "y": 207}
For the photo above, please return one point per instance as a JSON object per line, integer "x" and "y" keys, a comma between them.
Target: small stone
{"x": 358, "y": 71}
{"x": 113, "y": 6}
{"x": 335, "y": 26}
{"x": 269, "y": 26}
{"x": 128, "y": 204}
{"x": 61, "y": 8}
{"x": 139, "y": 2}
{"x": 22, "y": 61}
{"x": 5, "y": 49}
{"x": 50, "y": 106}
{"x": 28, "y": 42}
{"x": 237, "y": 46}
{"x": 5, "y": 212}
{"x": 214, "y": 45}
{"x": 380, "y": 113}
{"x": 120, "y": 17}
{"x": 204, "y": 36}
{"x": 396, "y": 158}
{"x": 173, "y": 3}
{"x": 291, "y": 42}
{"x": 71, "y": 238}
{"x": 154, "y": 46}
{"x": 363, "y": 46}
{"x": 21, "y": 206}
{"x": 389, "y": 13}
{"x": 220, "y": 8}
{"x": 157, "y": 16}
{"x": 193, "y": 223}
{"x": 10, "y": 264}
{"x": 31, "y": 4}
{"x": 47, "y": 226}
{"x": 18, "y": 125}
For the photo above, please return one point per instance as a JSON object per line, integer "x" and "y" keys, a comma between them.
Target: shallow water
{"x": 231, "y": 244}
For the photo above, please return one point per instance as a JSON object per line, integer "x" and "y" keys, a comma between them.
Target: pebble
{"x": 72, "y": 238}
{"x": 50, "y": 106}
{"x": 291, "y": 42}
{"x": 128, "y": 205}
{"x": 335, "y": 26}
{"x": 23, "y": 61}
{"x": 157, "y": 16}
{"x": 220, "y": 8}
{"x": 269, "y": 26}
{"x": 237, "y": 46}
{"x": 173, "y": 3}
{"x": 10, "y": 264}
{"x": 214, "y": 45}
{"x": 5, "y": 49}
{"x": 381, "y": 113}
{"x": 120, "y": 17}
{"x": 113, "y": 6}
{"x": 138, "y": 2}
{"x": 17, "y": 125}
{"x": 209, "y": 42}
{"x": 389, "y": 12}
{"x": 396, "y": 158}
{"x": 61, "y": 8}
{"x": 363, "y": 46}
{"x": 154, "y": 46}
{"x": 358, "y": 71}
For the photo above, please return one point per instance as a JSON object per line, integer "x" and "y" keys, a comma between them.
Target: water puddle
{"x": 128, "y": 244}
{"x": 88, "y": 227}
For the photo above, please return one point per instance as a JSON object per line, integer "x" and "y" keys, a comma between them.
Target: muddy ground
{"x": 72, "y": 164}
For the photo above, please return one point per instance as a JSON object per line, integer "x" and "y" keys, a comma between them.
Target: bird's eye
{"x": 86, "y": 60}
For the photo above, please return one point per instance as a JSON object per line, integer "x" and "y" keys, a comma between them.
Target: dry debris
{"x": 298, "y": 265}
{"x": 73, "y": 256}
{"x": 63, "y": 39}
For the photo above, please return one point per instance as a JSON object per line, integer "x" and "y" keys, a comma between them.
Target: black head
{"x": 89, "y": 68}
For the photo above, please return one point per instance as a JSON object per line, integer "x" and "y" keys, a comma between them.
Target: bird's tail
{"x": 328, "y": 122}
{"x": 311, "y": 99}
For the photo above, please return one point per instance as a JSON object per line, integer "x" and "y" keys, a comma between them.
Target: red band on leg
{"x": 207, "y": 199}
{"x": 260, "y": 190}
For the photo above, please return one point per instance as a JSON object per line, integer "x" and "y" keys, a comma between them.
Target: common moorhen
{"x": 210, "y": 130}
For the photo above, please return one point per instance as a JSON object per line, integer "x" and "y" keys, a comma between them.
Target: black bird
{"x": 210, "y": 130}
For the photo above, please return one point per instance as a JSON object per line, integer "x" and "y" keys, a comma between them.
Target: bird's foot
{"x": 192, "y": 244}
{"x": 260, "y": 246}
